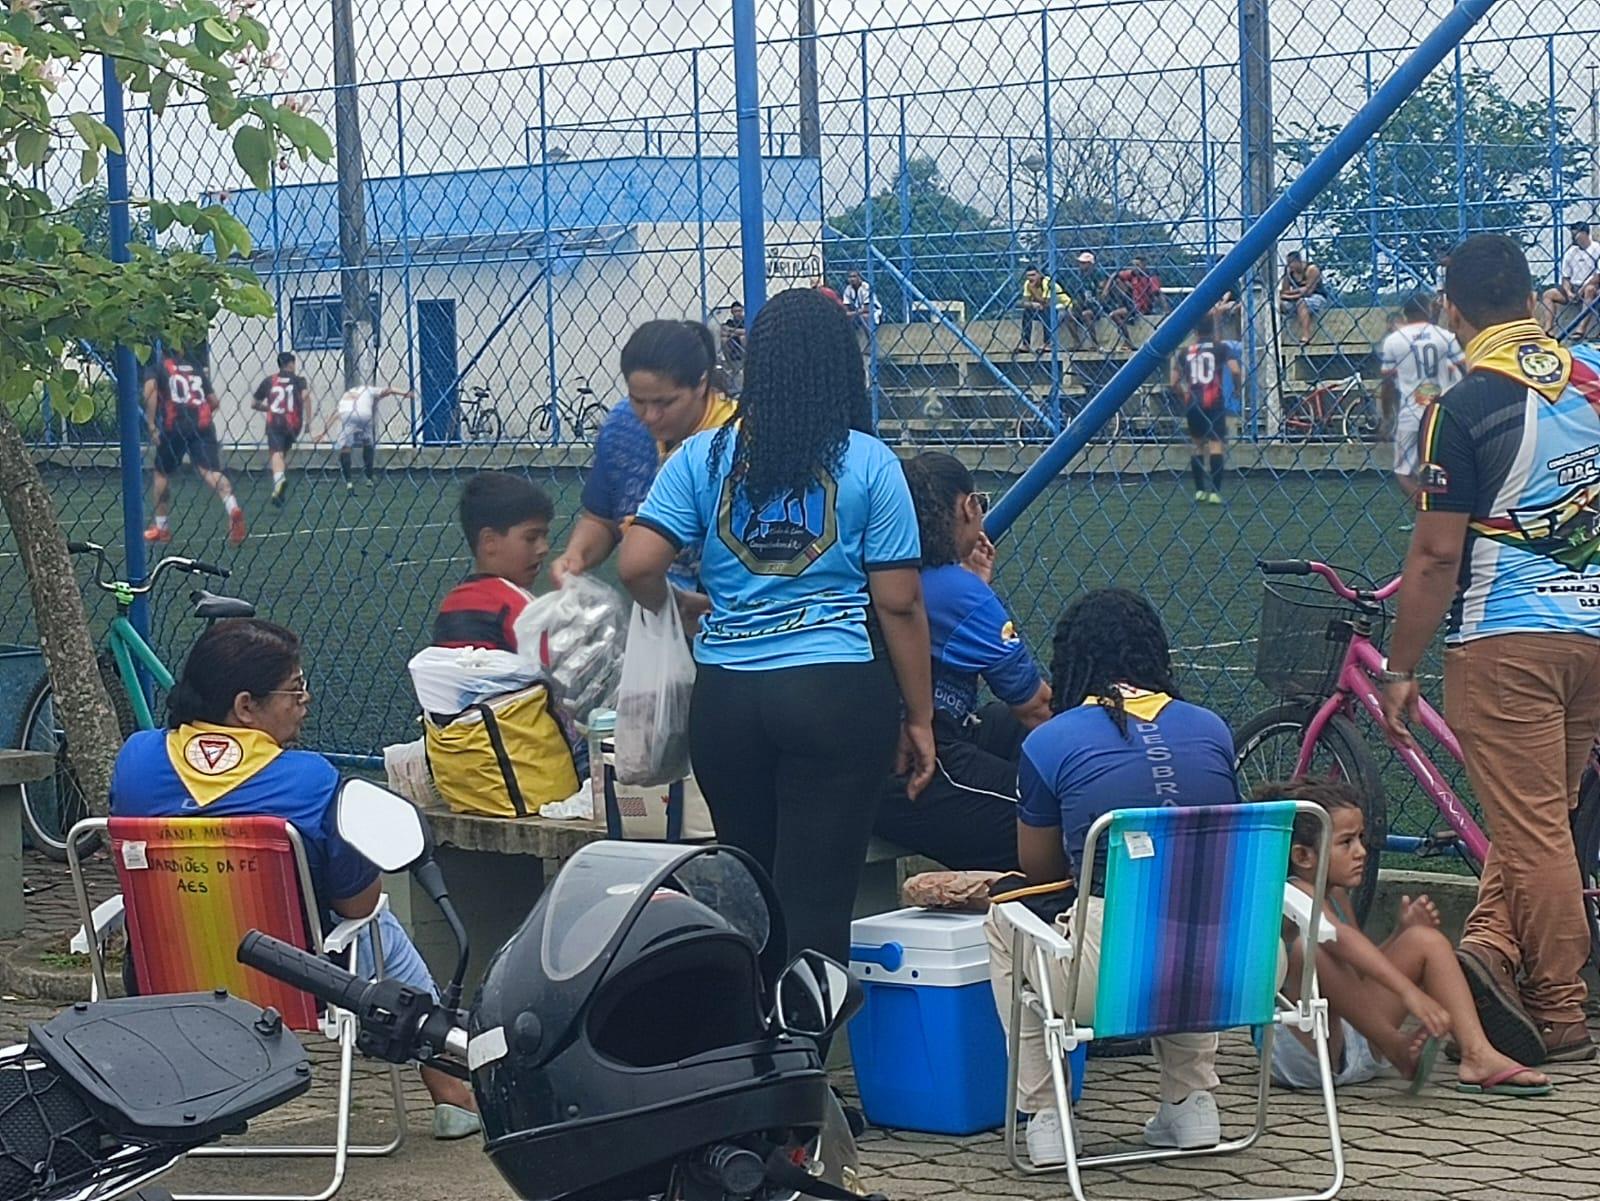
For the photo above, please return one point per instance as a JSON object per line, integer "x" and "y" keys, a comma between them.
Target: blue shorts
{"x": 401, "y": 960}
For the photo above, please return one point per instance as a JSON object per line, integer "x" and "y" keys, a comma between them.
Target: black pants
{"x": 966, "y": 818}
{"x": 792, "y": 763}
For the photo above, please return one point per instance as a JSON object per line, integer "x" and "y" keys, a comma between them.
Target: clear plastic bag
{"x": 580, "y": 630}
{"x": 652, "y": 739}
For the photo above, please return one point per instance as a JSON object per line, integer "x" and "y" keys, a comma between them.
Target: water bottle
{"x": 602, "y": 729}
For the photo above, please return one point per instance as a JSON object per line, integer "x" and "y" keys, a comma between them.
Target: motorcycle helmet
{"x": 628, "y": 1023}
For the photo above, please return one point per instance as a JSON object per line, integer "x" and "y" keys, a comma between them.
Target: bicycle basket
{"x": 1303, "y": 637}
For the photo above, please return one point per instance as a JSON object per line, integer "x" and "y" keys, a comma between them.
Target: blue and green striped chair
{"x": 1195, "y": 900}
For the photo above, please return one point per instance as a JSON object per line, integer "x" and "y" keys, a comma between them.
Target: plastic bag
{"x": 580, "y": 632}
{"x": 652, "y": 737}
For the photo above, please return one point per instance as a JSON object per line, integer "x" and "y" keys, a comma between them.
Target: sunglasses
{"x": 983, "y": 500}
{"x": 302, "y": 694}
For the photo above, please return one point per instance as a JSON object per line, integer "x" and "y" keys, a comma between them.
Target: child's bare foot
{"x": 1420, "y": 912}
{"x": 1489, "y": 1064}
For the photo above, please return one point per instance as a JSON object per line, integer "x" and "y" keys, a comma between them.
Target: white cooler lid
{"x": 921, "y": 929}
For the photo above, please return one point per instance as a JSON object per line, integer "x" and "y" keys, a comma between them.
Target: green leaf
{"x": 305, "y": 134}
{"x": 95, "y": 133}
{"x": 248, "y": 300}
{"x": 160, "y": 90}
{"x": 162, "y": 215}
{"x": 32, "y": 147}
{"x": 225, "y": 225}
{"x": 253, "y": 147}
{"x": 89, "y": 167}
{"x": 218, "y": 30}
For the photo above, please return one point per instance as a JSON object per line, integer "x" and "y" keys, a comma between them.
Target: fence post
{"x": 1207, "y": 210}
{"x": 130, "y": 418}
{"x": 1257, "y": 154}
{"x": 747, "y": 101}
{"x": 903, "y": 188}
{"x": 549, "y": 278}
{"x": 1317, "y": 175}
{"x": 1372, "y": 182}
{"x": 866, "y": 195}
{"x": 405, "y": 254}
{"x": 1554, "y": 118}
{"x": 699, "y": 182}
{"x": 1053, "y": 325}
{"x": 1011, "y": 214}
{"x": 1461, "y": 150}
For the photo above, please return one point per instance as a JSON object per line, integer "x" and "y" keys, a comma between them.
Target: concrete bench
{"x": 496, "y": 868}
{"x": 16, "y": 769}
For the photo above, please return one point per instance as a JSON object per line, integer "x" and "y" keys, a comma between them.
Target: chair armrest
{"x": 339, "y": 940}
{"x": 108, "y": 917}
{"x": 1036, "y": 929}
{"x": 1297, "y": 908}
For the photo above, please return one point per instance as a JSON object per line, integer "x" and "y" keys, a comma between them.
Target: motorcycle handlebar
{"x": 322, "y": 978}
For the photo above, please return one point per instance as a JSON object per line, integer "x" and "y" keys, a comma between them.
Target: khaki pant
{"x": 1526, "y": 708}
{"x": 1187, "y": 1061}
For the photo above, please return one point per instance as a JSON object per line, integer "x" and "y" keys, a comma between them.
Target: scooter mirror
{"x": 385, "y": 828}
{"x": 815, "y": 996}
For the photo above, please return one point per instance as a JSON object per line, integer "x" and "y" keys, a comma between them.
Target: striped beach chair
{"x": 1195, "y": 900}
{"x": 191, "y": 889}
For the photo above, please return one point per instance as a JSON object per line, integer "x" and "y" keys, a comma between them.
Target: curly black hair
{"x": 1105, "y": 638}
{"x": 937, "y": 480}
{"x": 804, "y": 390}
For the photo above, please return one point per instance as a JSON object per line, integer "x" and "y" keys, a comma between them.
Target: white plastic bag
{"x": 652, "y": 738}
{"x": 578, "y": 634}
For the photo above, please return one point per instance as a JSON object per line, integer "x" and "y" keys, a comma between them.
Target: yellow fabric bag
{"x": 503, "y": 757}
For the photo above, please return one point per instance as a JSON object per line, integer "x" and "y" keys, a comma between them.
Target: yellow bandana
{"x": 214, "y": 760}
{"x": 1136, "y": 702}
{"x": 1522, "y": 351}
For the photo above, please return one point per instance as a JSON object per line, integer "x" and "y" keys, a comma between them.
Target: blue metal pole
{"x": 1052, "y": 312}
{"x": 1372, "y": 185}
{"x": 1319, "y": 173}
{"x": 747, "y": 102}
{"x": 1247, "y": 298}
{"x": 1554, "y": 118}
{"x": 130, "y": 417}
{"x": 903, "y": 187}
{"x": 699, "y": 183}
{"x": 1011, "y": 213}
{"x": 1461, "y": 150}
{"x": 405, "y": 255}
{"x": 867, "y": 207}
{"x": 549, "y": 276}
{"x": 1208, "y": 214}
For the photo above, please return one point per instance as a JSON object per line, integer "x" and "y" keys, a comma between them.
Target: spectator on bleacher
{"x": 1420, "y": 362}
{"x": 860, "y": 305}
{"x": 228, "y": 751}
{"x": 1229, "y": 313}
{"x": 733, "y": 335}
{"x": 1084, "y": 286}
{"x": 1302, "y": 295}
{"x": 1579, "y": 284}
{"x": 966, "y": 818}
{"x": 1441, "y": 270}
{"x": 1504, "y": 545}
{"x": 1116, "y": 705}
{"x": 1133, "y": 291}
{"x": 1042, "y": 302}
{"x": 814, "y": 659}
{"x": 674, "y": 391}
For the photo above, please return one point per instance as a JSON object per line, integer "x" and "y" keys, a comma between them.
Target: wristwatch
{"x": 1387, "y": 677}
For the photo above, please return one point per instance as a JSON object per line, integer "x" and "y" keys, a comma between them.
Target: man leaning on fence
{"x": 1509, "y": 511}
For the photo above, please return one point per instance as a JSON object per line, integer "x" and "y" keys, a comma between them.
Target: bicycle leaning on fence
{"x": 52, "y": 807}
{"x": 1320, "y": 654}
{"x": 1339, "y": 410}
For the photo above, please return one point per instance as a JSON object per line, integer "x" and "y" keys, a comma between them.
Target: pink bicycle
{"x": 1320, "y": 654}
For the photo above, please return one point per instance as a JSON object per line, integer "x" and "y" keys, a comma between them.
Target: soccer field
{"x": 358, "y": 576}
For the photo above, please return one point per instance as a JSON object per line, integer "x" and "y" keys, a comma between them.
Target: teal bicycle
{"x": 50, "y": 808}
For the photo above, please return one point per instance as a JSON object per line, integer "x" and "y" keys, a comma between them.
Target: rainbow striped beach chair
{"x": 191, "y": 889}
{"x": 1195, "y": 900}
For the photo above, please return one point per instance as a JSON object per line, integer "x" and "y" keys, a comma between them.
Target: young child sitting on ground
{"x": 1372, "y": 988}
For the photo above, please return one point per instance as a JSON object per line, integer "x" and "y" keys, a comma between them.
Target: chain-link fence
{"x": 518, "y": 186}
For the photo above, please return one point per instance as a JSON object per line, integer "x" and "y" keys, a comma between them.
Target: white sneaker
{"x": 1189, "y": 1125}
{"x": 1046, "y": 1146}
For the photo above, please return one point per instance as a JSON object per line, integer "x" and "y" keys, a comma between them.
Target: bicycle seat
{"x": 212, "y": 607}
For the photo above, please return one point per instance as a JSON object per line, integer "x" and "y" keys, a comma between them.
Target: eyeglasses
{"x": 983, "y": 500}
{"x": 302, "y": 694}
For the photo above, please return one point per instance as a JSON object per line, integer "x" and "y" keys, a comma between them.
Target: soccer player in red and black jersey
{"x": 180, "y": 408}
{"x": 285, "y": 398}
{"x": 1200, "y": 372}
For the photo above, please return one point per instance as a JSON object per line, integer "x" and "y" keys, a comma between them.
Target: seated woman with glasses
{"x": 966, "y": 818}
{"x": 238, "y": 705}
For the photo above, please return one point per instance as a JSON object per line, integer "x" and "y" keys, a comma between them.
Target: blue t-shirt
{"x": 972, "y": 635}
{"x": 1078, "y": 765}
{"x": 165, "y": 773}
{"x": 787, "y": 582}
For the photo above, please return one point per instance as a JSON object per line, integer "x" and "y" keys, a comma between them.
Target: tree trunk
{"x": 69, "y": 651}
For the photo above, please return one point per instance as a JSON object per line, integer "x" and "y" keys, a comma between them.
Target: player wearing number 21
{"x": 285, "y": 397}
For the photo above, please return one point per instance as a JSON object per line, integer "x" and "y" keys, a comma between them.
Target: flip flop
{"x": 1426, "y": 1057}
{"x": 1498, "y": 1086}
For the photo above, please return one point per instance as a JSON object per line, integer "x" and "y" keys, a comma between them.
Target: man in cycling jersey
{"x": 285, "y": 398}
{"x": 1420, "y": 362}
{"x": 180, "y": 408}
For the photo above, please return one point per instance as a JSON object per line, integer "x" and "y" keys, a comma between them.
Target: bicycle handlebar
{"x": 171, "y": 562}
{"x": 1331, "y": 575}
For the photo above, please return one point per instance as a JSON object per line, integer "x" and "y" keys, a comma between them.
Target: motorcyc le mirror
{"x": 386, "y": 829}
{"x": 815, "y": 996}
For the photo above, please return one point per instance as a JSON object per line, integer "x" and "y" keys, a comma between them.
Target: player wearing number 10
{"x": 285, "y": 398}
{"x": 179, "y": 407}
{"x": 1208, "y": 372}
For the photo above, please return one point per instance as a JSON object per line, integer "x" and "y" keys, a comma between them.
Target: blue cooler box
{"x": 927, "y": 1046}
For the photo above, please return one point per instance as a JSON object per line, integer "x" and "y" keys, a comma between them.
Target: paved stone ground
{"x": 1441, "y": 1145}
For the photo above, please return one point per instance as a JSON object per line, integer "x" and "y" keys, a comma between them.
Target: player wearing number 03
{"x": 1208, "y": 373}
{"x": 180, "y": 408}
{"x": 285, "y": 398}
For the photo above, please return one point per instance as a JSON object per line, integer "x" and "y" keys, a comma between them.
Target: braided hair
{"x": 937, "y": 480}
{"x": 1106, "y": 638}
{"x": 804, "y": 391}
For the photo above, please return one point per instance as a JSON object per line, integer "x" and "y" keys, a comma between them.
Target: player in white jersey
{"x": 1420, "y": 361}
{"x": 357, "y": 415}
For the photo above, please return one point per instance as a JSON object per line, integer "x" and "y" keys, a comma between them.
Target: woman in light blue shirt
{"x": 814, "y": 658}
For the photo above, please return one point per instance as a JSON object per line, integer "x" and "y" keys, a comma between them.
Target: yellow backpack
{"x": 504, "y": 757}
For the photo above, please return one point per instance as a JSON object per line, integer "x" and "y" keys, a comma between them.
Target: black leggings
{"x": 792, "y": 763}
